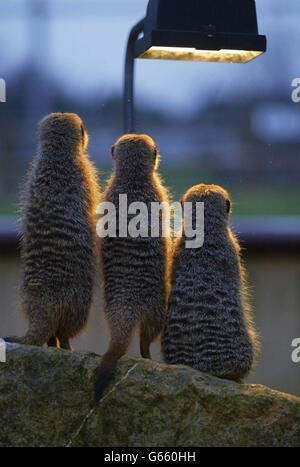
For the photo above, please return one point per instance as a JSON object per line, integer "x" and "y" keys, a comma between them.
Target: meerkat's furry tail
{"x": 33, "y": 338}
{"x": 52, "y": 342}
{"x": 40, "y": 331}
{"x": 13, "y": 339}
{"x": 105, "y": 370}
{"x": 104, "y": 373}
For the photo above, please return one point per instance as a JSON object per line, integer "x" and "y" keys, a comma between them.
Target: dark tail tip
{"x": 103, "y": 376}
{"x": 105, "y": 370}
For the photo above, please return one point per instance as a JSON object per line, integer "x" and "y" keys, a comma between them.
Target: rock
{"x": 46, "y": 399}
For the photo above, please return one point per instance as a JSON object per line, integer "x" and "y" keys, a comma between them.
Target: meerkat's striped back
{"x": 135, "y": 269}
{"x": 58, "y": 248}
{"x": 208, "y": 325}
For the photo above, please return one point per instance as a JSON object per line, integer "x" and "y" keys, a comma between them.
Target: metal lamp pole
{"x": 129, "y": 119}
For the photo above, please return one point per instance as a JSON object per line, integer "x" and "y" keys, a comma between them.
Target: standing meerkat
{"x": 58, "y": 247}
{"x": 135, "y": 271}
{"x": 208, "y": 324}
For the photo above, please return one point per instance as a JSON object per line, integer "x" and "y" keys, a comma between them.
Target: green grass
{"x": 247, "y": 200}
{"x": 266, "y": 202}
{"x": 8, "y": 208}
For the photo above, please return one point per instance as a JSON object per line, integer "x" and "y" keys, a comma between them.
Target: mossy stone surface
{"x": 46, "y": 399}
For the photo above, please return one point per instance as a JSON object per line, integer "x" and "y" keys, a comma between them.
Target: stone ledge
{"x": 46, "y": 399}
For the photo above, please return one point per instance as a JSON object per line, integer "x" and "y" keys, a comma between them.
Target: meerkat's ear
{"x": 82, "y": 130}
{"x": 156, "y": 157}
{"x": 228, "y": 206}
{"x": 112, "y": 151}
{"x": 84, "y": 137}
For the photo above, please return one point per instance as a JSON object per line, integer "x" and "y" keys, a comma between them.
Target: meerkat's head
{"x": 217, "y": 201}
{"x": 136, "y": 153}
{"x": 63, "y": 128}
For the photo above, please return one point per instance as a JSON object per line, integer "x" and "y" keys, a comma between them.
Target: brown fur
{"x": 135, "y": 270}
{"x": 209, "y": 323}
{"x": 59, "y": 240}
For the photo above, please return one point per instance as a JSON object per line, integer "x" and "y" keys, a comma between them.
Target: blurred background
{"x": 230, "y": 124}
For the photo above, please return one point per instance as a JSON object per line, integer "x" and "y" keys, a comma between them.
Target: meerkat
{"x": 135, "y": 270}
{"x": 208, "y": 324}
{"x": 58, "y": 245}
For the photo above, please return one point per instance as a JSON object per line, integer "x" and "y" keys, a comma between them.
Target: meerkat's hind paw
{"x": 145, "y": 351}
{"x": 53, "y": 342}
{"x": 64, "y": 343}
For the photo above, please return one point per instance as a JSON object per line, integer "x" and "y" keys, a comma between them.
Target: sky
{"x": 82, "y": 44}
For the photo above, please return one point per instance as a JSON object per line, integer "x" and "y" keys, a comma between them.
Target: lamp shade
{"x": 201, "y": 30}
